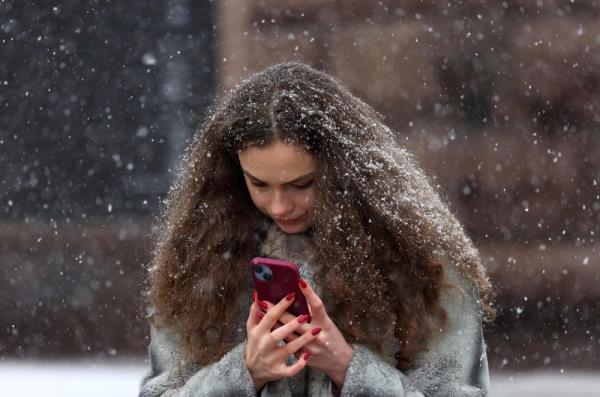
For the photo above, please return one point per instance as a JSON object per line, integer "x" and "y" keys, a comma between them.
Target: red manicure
{"x": 303, "y": 283}
{"x": 315, "y": 331}
{"x": 290, "y": 297}
{"x": 306, "y": 356}
{"x": 259, "y": 315}
{"x": 303, "y": 318}
{"x": 262, "y": 305}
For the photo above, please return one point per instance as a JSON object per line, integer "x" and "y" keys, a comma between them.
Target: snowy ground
{"x": 70, "y": 379}
{"x": 546, "y": 384}
{"x": 120, "y": 379}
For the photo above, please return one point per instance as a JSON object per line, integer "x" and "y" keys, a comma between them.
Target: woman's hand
{"x": 265, "y": 359}
{"x": 330, "y": 353}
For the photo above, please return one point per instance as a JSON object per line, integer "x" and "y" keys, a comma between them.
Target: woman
{"x": 291, "y": 165}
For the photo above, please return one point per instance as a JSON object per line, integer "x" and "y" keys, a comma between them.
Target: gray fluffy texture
{"x": 454, "y": 365}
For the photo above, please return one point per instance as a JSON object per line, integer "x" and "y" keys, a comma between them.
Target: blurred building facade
{"x": 97, "y": 101}
{"x": 499, "y": 102}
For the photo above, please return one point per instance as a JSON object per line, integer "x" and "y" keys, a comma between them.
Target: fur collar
{"x": 297, "y": 248}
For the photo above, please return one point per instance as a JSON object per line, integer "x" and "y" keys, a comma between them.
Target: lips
{"x": 287, "y": 221}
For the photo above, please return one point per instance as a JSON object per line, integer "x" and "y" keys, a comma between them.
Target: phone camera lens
{"x": 262, "y": 272}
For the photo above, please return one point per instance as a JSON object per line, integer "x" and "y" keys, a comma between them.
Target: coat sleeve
{"x": 228, "y": 376}
{"x": 455, "y": 363}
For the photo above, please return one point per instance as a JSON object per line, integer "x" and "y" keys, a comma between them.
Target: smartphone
{"x": 274, "y": 279}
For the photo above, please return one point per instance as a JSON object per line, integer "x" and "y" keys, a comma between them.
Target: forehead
{"x": 277, "y": 162}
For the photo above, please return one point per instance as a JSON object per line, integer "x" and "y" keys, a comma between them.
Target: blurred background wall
{"x": 499, "y": 101}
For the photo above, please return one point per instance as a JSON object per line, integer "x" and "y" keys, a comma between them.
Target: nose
{"x": 281, "y": 205}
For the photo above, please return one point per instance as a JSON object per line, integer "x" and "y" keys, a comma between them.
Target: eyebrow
{"x": 286, "y": 183}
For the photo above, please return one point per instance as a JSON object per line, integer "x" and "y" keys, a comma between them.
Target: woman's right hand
{"x": 265, "y": 358}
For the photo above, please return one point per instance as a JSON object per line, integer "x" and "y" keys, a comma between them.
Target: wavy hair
{"x": 380, "y": 228}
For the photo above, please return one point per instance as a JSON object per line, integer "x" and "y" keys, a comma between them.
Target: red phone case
{"x": 284, "y": 278}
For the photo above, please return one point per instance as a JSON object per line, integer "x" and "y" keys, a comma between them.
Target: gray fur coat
{"x": 454, "y": 365}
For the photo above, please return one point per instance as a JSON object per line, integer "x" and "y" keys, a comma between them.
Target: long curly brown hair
{"x": 379, "y": 227}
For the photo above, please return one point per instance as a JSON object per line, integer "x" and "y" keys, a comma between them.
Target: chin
{"x": 292, "y": 229}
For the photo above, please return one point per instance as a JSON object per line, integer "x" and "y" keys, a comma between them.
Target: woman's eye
{"x": 258, "y": 184}
{"x": 305, "y": 185}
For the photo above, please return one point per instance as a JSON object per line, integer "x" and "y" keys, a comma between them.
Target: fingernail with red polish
{"x": 290, "y": 297}
{"x": 303, "y": 318}
{"x": 303, "y": 283}
{"x": 259, "y": 315}
{"x": 254, "y": 296}
{"x": 262, "y": 305}
{"x": 306, "y": 356}
{"x": 315, "y": 331}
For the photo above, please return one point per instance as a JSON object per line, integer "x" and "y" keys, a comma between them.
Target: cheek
{"x": 258, "y": 198}
{"x": 308, "y": 200}
{"x": 255, "y": 195}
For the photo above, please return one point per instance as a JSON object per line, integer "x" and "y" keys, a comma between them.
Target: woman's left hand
{"x": 330, "y": 353}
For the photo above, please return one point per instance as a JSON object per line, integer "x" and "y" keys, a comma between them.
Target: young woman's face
{"x": 281, "y": 182}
